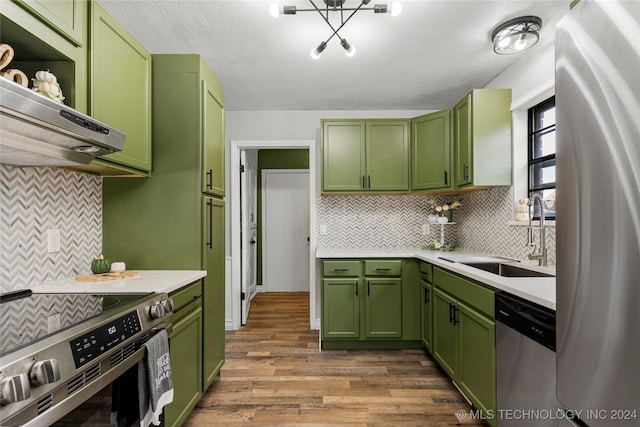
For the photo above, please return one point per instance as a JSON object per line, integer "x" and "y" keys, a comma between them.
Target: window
{"x": 542, "y": 154}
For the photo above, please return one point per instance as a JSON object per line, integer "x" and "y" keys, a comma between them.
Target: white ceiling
{"x": 425, "y": 59}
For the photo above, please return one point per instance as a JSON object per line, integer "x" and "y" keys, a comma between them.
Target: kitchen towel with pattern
{"x": 159, "y": 385}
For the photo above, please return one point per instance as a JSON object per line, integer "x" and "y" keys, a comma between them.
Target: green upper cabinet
{"x": 387, "y": 155}
{"x": 482, "y": 139}
{"x": 431, "y": 152}
{"x": 213, "y": 133}
{"x": 365, "y": 156}
{"x": 49, "y": 35}
{"x": 66, "y": 17}
{"x": 120, "y": 90}
{"x": 344, "y": 164}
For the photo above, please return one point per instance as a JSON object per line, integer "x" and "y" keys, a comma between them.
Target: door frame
{"x": 235, "y": 206}
{"x": 263, "y": 240}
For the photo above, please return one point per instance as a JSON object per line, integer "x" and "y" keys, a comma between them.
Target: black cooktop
{"x": 27, "y": 317}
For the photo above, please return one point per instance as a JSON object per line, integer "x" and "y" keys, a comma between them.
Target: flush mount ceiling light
{"x": 516, "y": 35}
{"x": 335, "y": 6}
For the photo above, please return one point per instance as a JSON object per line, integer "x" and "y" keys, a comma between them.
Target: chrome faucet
{"x": 542, "y": 256}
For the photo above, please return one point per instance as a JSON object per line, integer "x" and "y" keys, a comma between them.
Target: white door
{"x": 248, "y": 184}
{"x": 285, "y": 254}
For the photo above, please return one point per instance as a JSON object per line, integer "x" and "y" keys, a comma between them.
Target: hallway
{"x": 274, "y": 375}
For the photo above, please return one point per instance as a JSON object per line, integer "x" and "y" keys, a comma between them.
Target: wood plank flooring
{"x": 275, "y": 375}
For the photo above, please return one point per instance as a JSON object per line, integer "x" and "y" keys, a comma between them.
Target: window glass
{"x": 542, "y": 154}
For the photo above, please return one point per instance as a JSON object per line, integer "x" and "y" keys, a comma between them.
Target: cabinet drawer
{"x": 341, "y": 268}
{"x": 426, "y": 272}
{"x": 383, "y": 267}
{"x": 185, "y": 295}
{"x": 466, "y": 291}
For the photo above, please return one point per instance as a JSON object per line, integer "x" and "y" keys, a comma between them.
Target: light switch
{"x": 323, "y": 229}
{"x": 53, "y": 241}
{"x": 425, "y": 229}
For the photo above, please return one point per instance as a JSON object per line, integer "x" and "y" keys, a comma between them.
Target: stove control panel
{"x": 161, "y": 309}
{"x": 87, "y": 347}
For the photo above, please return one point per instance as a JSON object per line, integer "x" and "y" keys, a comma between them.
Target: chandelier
{"x": 335, "y": 6}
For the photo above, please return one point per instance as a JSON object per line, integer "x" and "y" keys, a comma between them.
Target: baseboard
{"x": 228, "y": 325}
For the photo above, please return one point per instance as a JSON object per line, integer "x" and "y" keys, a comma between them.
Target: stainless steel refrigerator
{"x": 598, "y": 211}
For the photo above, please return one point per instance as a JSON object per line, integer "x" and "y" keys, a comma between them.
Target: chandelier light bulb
{"x": 396, "y": 8}
{"x": 274, "y": 10}
{"x": 350, "y": 50}
{"x": 316, "y": 52}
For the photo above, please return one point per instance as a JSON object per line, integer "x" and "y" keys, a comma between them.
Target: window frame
{"x": 533, "y": 114}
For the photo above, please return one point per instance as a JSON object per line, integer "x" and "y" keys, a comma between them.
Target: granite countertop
{"x": 541, "y": 290}
{"x": 148, "y": 281}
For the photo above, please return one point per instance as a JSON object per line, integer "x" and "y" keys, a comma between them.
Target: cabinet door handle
{"x": 210, "y": 179}
{"x": 210, "y": 209}
{"x": 357, "y": 286}
{"x": 368, "y": 288}
{"x": 340, "y": 270}
{"x": 455, "y": 315}
{"x": 364, "y": 184}
{"x": 383, "y": 269}
{"x": 446, "y": 178}
{"x": 465, "y": 172}
{"x": 450, "y": 313}
{"x": 426, "y": 295}
{"x": 369, "y": 181}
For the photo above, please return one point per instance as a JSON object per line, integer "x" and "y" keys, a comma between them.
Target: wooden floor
{"x": 274, "y": 375}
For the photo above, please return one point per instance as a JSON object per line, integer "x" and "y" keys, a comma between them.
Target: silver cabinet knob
{"x": 14, "y": 389}
{"x": 167, "y": 304}
{"x": 44, "y": 372}
{"x": 157, "y": 311}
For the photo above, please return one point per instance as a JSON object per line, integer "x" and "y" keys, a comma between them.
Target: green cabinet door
{"x": 431, "y": 151}
{"x": 66, "y": 17}
{"x": 383, "y": 308}
{"x": 213, "y": 292}
{"x": 341, "y": 308}
{"x": 426, "y": 314}
{"x": 462, "y": 118}
{"x": 445, "y": 333}
{"x": 186, "y": 364}
{"x": 482, "y": 139}
{"x": 387, "y": 154}
{"x": 477, "y": 361}
{"x": 120, "y": 88}
{"x": 343, "y": 145}
{"x": 213, "y": 134}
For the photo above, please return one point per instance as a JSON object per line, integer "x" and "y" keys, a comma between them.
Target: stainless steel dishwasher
{"x": 525, "y": 363}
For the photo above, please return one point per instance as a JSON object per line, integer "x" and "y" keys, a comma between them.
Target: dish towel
{"x": 155, "y": 386}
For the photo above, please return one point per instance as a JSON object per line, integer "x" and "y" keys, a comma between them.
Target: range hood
{"x": 37, "y": 131}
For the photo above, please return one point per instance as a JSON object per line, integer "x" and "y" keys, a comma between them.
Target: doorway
{"x": 234, "y": 290}
{"x": 285, "y": 230}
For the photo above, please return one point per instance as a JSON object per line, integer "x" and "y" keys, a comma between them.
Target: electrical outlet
{"x": 323, "y": 229}
{"x": 425, "y": 229}
{"x": 53, "y": 322}
{"x": 53, "y": 241}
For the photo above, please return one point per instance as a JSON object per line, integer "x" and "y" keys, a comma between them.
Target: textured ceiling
{"x": 426, "y": 58}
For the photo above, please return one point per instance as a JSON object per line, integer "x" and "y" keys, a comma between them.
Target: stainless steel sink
{"x": 506, "y": 270}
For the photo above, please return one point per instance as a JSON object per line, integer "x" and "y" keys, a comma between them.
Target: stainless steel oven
{"x": 59, "y": 350}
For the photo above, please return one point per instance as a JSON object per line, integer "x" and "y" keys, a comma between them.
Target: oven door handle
{"x": 166, "y": 326}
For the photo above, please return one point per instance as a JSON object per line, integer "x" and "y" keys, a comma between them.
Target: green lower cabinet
{"x": 477, "y": 361}
{"x": 464, "y": 344}
{"x": 186, "y": 365}
{"x": 341, "y": 308}
{"x": 426, "y": 315}
{"x": 445, "y": 333}
{"x": 383, "y": 308}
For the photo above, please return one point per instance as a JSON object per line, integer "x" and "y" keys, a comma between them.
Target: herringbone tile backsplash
{"x": 35, "y": 200}
{"x": 395, "y": 222}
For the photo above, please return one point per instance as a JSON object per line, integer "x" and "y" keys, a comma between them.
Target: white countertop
{"x": 148, "y": 281}
{"x": 541, "y": 290}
